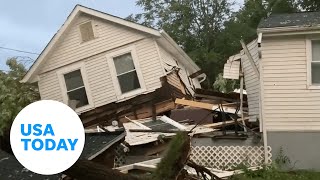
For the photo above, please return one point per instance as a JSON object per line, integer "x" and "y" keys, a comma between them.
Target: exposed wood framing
{"x": 225, "y": 123}
{"x": 145, "y": 105}
{"x": 196, "y": 104}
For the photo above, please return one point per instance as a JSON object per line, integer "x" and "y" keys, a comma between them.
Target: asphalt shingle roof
{"x": 10, "y": 168}
{"x": 291, "y": 19}
{"x": 96, "y": 142}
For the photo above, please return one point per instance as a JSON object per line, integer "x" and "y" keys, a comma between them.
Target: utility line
{"x": 18, "y": 50}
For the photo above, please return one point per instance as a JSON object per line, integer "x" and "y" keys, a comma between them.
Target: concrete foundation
{"x": 302, "y": 148}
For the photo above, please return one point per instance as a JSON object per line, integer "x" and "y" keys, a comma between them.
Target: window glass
{"x": 75, "y": 89}
{"x": 129, "y": 82}
{"x": 315, "y": 71}
{"x": 126, "y": 73}
{"x": 73, "y": 80}
{"x": 123, "y": 63}
{"x": 316, "y": 50}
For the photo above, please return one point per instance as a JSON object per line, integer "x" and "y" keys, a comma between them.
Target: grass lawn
{"x": 272, "y": 174}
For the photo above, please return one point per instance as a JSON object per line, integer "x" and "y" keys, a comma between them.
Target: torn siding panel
{"x": 231, "y": 70}
{"x": 252, "y": 83}
{"x": 167, "y": 59}
{"x": 170, "y": 62}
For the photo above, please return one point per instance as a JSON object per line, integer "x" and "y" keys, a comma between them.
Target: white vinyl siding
{"x": 112, "y": 37}
{"x": 70, "y": 49}
{"x": 49, "y": 87}
{"x": 288, "y": 103}
{"x": 252, "y": 82}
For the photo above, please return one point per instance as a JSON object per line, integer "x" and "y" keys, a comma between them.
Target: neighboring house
{"x": 97, "y": 59}
{"x": 287, "y": 85}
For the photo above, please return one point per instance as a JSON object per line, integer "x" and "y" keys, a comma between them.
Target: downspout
{"x": 261, "y": 116}
{"x": 203, "y": 76}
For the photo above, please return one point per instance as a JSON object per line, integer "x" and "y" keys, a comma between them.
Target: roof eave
{"x": 31, "y": 74}
{"x": 192, "y": 64}
{"x": 290, "y": 30}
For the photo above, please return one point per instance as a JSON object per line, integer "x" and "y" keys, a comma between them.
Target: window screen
{"x": 126, "y": 73}
{"x": 86, "y": 31}
{"x": 315, "y": 63}
{"x": 76, "y": 90}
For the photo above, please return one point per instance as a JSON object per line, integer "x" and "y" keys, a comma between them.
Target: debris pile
{"x": 147, "y": 141}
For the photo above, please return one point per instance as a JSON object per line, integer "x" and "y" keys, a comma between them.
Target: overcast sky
{"x": 28, "y": 25}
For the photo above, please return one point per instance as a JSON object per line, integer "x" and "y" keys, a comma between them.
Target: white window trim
{"x": 78, "y": 66}
{"x": 95, "y": 32}
{"x": 113, "y": 72}
{"x": 309, "y": 60}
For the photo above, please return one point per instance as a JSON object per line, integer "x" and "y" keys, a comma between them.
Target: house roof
{"x": 166, "y": 39}
{"x": 302, "y": 19}
{"x": 97, "y": 143}
{"x": 10, "y": 168}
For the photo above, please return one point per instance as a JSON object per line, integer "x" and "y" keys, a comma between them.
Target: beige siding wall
{"x": 94, "y": 53}
{"x": 71, "y": 48}
{"x": 49, "y": 87}
{"x": 251, "y": 80}
{"x": 287, "y": 102}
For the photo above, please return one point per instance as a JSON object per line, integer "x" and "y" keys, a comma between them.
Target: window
{"x": 86, "y": 31}
{"x": 76, "y": 90}
{"x": 315, "y": 62}
{"x": 126, "y": 73}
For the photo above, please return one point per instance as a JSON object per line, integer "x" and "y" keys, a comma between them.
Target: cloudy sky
{"x": 28, "y": 25}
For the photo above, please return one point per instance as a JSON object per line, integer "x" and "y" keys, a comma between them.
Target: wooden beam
{"x": 196, "y": 104}
{"x": 226, "y": 123}
{"x": 253, "y": 65}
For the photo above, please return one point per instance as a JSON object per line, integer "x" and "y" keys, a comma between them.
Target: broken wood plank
{"x": 226, "y": 123}
{"x": 196, "y": 104}
{"x": 208, "y": 106}
{"x": 157, "y": 130}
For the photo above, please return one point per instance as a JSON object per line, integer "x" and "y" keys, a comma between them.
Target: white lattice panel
{"x": 229, "y": 157}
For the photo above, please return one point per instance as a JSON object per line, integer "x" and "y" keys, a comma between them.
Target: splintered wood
{"x": 196, "y": 104}
{"x": 225, "y": 107}
{"x": 226, "y": 123}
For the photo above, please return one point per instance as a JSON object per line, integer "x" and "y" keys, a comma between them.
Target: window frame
{"x": 114, "y": 76}
{"x": 309, "y": 62}
{"x": 95, "y": 33}
{"x": 74, "y": 67}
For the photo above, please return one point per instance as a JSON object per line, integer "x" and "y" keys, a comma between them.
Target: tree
{"x": 14, "y": 96}
{"x": 309, "y": 5}
{"x": 225, "y": 85}
{"x": 193, "y": 24}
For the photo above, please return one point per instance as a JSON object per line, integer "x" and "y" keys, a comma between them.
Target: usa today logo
{"x": 47, "y": 137}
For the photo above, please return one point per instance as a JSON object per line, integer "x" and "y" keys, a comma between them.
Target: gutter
{"x": 290, "y": 30}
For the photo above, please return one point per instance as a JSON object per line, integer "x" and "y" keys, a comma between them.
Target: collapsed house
{"x": 282, "y": 77}
{"x": 119, "y": 75}
{"x": 104, "y": 66}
